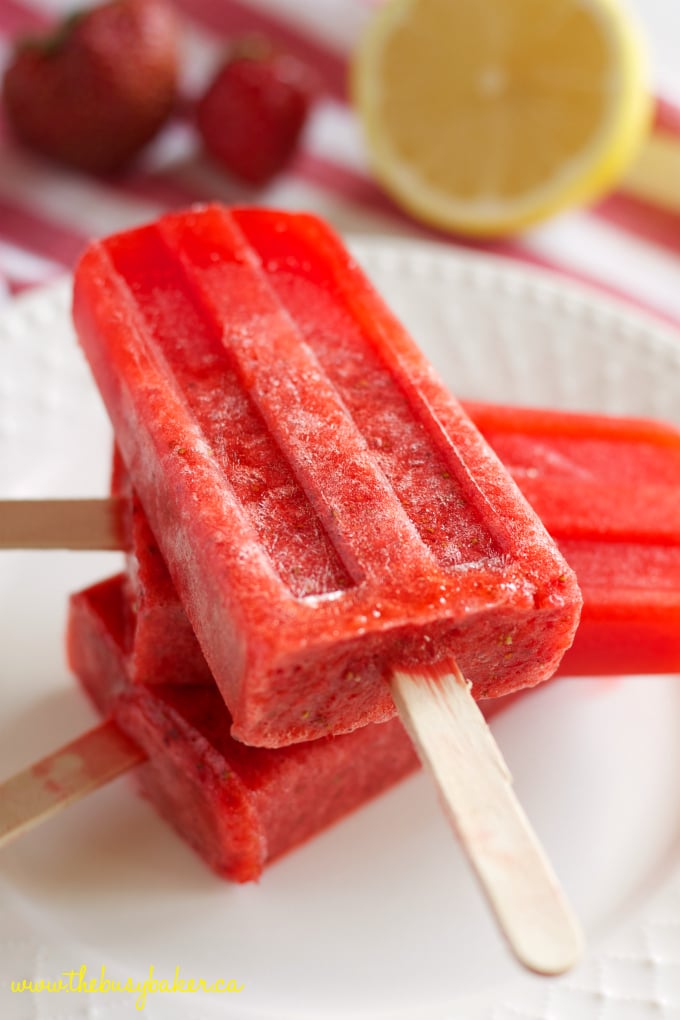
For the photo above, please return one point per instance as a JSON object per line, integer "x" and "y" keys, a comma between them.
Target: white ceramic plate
{"x": 378, "y": 917}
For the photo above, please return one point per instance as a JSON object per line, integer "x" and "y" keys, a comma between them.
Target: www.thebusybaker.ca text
{"x": 78, "y": 981}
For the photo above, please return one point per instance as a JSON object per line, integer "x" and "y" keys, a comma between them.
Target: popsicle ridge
{"x": 396, "y": 398}
{"x": 295, "y": 398}
{"x": 425, "y": 486}
{"x": 193, "y": 361}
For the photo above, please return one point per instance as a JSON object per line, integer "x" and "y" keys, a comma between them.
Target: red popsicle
{"x": 328, "y": 514}
{"x": 607, "y": 490}
{"x": 240, "y": 807}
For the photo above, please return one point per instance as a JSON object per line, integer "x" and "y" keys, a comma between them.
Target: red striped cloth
{"x": 625, "y": 245}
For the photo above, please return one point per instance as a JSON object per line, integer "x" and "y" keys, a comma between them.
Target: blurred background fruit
{"x": 485, "y": 116}
{"x": 93, "y": 91}
{"x": 253, "y": 112}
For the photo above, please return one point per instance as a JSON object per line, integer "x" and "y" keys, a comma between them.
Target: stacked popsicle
{"x": 239, "y": 807}
{"x": 339, "y": 535}
{"x": 336, "y": 530}
{"x": 223, "y": 437}
{"x": 605, "y": 487}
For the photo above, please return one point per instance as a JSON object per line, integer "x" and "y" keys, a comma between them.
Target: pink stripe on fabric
{"x": 38, "y": 234}
{"x": 230, "y": 18}
{"x": 19, "y": 19}
{"x": 656, "y": 224}
{"x": 19, "y": 286}
{"x": 667, "y": 117}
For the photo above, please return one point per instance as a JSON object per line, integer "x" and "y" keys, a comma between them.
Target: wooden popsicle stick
{"x": 61, "y": 524}
{"x": 90, "y": 761}
{"x": 458, "y": 750}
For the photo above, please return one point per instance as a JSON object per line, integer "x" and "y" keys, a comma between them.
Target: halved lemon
{"x": 485, "y": 116}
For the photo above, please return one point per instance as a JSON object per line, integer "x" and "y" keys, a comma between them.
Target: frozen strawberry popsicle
{"x": 327, "y": 512}
{"x": 239, "y": 807}
{"x": 607, "y": 490}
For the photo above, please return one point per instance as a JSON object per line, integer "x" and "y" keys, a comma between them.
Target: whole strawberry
{"x": 97, "y": 89}
{"x": 253, "y": 112}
